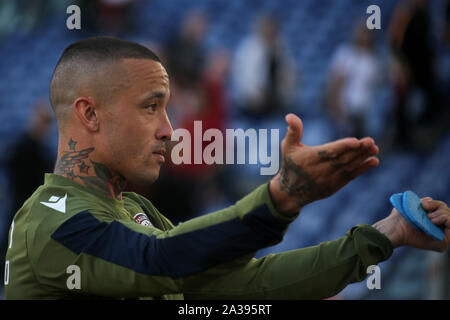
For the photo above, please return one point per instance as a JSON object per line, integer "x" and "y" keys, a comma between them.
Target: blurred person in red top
{"x": 211, "y": 109}
{"x": 197, "y": 186}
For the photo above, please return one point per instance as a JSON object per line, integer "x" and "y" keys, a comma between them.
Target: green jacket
{"x": 70, "y": 242}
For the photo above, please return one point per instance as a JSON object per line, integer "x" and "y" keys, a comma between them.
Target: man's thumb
{"x": 295, "y": 130}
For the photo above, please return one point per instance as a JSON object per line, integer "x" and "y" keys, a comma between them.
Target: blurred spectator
{"x": 444, "y": 65}
{"x": 416, "y": 94}
{"x": 185, "y": 52}
{"x": 25, "y": 166}
{"x": 27, "y": 161}
{"x": 198, "y": 93}
{"x": 23, "y": 16}
{"x": 195, "y": 186}
{"x": 107, "y": 16}
{"x": 355, "y": 76}
{"x": 263, "y": 73}
{"x": 447, "y": 23}
{"x": 191, "y": 99}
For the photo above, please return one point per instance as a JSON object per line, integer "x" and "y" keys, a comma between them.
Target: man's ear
{"x": 86, "y": 112}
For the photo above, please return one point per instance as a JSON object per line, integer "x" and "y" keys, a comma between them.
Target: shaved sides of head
{"x": 86, "y": 66}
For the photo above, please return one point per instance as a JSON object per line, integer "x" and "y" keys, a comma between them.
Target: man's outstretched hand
{"x": 310, "y": 173}
{"x": 401, "y": 233}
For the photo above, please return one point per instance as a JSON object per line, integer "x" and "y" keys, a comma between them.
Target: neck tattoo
{"x": 75, "y": 165}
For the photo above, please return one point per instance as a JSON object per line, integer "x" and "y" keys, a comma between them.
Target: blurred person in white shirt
{"x": 263, "y": 73}
{"x": 355, "y": 75}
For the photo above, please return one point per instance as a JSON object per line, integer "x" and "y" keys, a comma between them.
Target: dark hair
{"x": 87, "y": 55}
{"x": 106, "y": 48}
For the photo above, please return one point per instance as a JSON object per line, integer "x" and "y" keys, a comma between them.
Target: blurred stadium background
{"x": 319, "y": 61}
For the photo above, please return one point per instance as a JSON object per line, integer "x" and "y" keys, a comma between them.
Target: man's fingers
{"x": 440, "y": 216}
{"x": 295, "y": 130}
{"x": 363, "y": 167}
{"x": 367, "y": 142}
{"x": 439, "y": 220}
{"x": 353, "y": 158}
{"x": 336, "y": 148}
{"x": 348, "y": 166}
{"x": 433, "y": 205}
{"x": 360, "y": 160}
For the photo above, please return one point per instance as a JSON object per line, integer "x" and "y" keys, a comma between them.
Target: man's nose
{"x": 165, "y": 130}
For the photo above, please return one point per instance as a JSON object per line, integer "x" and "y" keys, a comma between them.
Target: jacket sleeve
{"x": 120, "y": 258}
{"x": 309, "y": 273}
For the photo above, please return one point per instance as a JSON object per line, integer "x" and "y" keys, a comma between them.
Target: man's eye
{"x": 152, "y": 107}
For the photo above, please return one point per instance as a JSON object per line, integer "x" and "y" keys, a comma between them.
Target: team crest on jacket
{"x": 142, "y": 218}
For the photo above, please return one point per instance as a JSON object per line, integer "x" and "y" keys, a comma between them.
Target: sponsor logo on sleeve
{"x": 56, "y": 203}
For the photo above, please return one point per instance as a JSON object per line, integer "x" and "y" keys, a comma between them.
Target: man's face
{"x": 135, "y": 126}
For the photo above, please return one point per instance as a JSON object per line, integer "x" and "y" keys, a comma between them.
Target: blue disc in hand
{"x": 397, "y": 202}
{"x": 412, "y": 207}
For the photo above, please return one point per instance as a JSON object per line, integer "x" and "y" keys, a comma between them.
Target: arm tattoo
{"x": 73, "y": 165}
{"x": 334, "y": 163}
{"x": 346, "y": 174}
{"x": 297, "y": 182}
